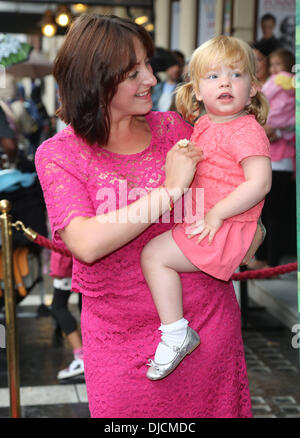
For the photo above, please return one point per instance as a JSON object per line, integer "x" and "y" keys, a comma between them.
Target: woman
{"x": 262, "y": 66}
{"x": 113, "y": 152}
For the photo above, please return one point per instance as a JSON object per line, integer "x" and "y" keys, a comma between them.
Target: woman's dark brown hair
{"x": 95, "y": 57}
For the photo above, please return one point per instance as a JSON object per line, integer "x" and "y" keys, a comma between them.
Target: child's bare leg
{"x": 162, "y": 260}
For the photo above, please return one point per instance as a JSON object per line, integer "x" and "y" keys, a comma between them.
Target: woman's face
{"x": 133, "y": 96}
{"x": 261, "y": 66}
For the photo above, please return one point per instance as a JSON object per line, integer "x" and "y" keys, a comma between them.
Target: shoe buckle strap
{"x": 173, "y": 347}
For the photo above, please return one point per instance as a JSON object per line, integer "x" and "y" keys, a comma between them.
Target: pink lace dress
{"x": 119, "y": 321}
{"x": 224, "y": 146}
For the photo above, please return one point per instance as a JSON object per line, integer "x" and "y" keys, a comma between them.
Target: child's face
{"x": 276, "y": 65}
{"x": 225, "y": 92}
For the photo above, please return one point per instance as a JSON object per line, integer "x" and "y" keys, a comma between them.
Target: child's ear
{"x": 198, "y": 96}
{"x": 253, "y": 92}
{"x": 253, "y": 89}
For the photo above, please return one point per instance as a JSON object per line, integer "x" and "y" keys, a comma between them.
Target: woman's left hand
{"x": 205, "y": 227}
{"x": 271, "y": 133}
{"x": 256, "y": 242}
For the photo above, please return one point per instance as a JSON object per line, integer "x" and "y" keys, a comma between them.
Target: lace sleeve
{"x": 248, "y": 141}
{"x": 64, "y": 186}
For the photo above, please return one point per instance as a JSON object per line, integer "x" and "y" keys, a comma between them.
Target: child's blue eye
{"x": 212, "y": 76}
{"x": 236, "y": 75}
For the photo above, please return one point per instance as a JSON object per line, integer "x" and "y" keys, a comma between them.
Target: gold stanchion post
{"x": 10, "y": 310}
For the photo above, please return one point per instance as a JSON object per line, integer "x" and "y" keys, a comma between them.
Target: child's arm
{"x": 258, "y": 180}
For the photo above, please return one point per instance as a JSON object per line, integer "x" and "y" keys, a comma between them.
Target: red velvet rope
{"x": 46, "y": 243}
{"x": 265, "y": 273}
{"x": 246, "y": 275}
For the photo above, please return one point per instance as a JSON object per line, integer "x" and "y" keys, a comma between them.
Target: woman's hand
{"x": 256, "y": 242}
{"x": 180, "y": 167}
{"x": 271, "y": 133}
{"x": 205, "y": 227}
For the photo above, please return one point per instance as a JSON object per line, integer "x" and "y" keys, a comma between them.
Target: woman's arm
{"x": 91, "y": 238}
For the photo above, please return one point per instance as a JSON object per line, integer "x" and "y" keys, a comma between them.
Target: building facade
{"x": 174, "y": 24}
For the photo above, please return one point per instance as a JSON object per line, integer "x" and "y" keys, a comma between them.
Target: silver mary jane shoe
{"x": 159, "y": 371}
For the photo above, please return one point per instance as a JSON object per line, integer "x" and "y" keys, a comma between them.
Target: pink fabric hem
{"x": 222, "y": 257}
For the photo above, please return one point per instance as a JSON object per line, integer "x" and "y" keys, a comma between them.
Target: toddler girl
{"x": 235, "y": 175}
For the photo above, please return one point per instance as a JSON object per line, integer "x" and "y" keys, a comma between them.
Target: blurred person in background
{"x": 8, "y": 143}
{"x": 20, "y": 186}
{"x": 287, "y": 29}
{"x": 268, "y": 43}
{"x": 262, "y": 64}
{"x": 38, "y": 110}
{"x": 163, "y": 92}
{"x": 278, "y": 214}
{"x": 12, "y": 103}
{"x": 61, "y": 272}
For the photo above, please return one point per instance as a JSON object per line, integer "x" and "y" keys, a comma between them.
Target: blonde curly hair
{"x": 231, "y": 52}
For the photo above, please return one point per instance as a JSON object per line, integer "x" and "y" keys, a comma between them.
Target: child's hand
{"x": 205, "y": 227}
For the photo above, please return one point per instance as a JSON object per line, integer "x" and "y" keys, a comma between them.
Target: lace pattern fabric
{"x": 224, "y": 146}
{"x": 119, "y": 321}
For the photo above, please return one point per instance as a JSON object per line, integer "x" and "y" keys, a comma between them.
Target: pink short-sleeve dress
{"x": 119, "y": 321}
{"x": 224, "y": 146}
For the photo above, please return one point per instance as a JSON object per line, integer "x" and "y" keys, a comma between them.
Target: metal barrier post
{"x": 10, "y": 310}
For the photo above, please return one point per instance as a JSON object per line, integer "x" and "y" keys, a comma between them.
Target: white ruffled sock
{"x": 173, "y": 334}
